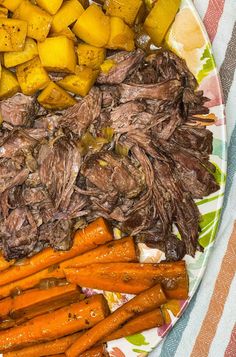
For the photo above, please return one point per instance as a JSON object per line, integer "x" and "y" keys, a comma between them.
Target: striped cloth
{"x": 208, "y": 326}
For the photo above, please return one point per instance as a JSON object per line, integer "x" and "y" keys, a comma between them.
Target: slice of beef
{"x": 124, "y": 114}
{"x": 125, "y": 63}
{"x": 169, "y": 90}
{"x": 58, "y": 171}
{"x": 78, "y": 118}
{"x": 168, "y": 66}
{"x": 113, "y": 174}
{"x": 11, "y": 177}
{"x": 37, "y": 134}
{"x": 33, "y": 180}
{"x": 49, "y": 122}
{"x": 18, "y": 234}
{"x": 16, "y": 142}
{"x": 196, "y": 178}
{"x": 11, "y": 199}
{"x": 166, "y": 128}
{"x": 183, "y": 210}
{"x": 197, "y": 138}
{"x": 110, "y": 96}
{"x": 78, "y": 207}
{"x": 4, "y": 204}
{"x": 19, "y": 110}
{"x": 58, "y": 234}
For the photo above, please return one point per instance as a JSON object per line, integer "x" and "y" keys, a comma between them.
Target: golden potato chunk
{"x": 3, "y": 12}
{"x": 66, "y": 32}
{"x": 8, "y": 84}
{"x": 39, "y": 21}
{"x": 10, "y": 4}
{"x": 12, "y": 59}
{"x": 12, "y": 34}
{"x": 51, "y": 6}
{"x": 32, "y": 76}
{"x": 107, "y": 65}
{"x": 121, "y": 36}
{"x": 93, "y": 26}
{"x": 81, "y": 82}
{"x": 90, "y": 56}
{"x": 160, "y": 18}
{"x": 125, "y": 9}
{"x": 68, "y": 13}
{"x": 54, "y": 97}
{"x": 57, "y": 54}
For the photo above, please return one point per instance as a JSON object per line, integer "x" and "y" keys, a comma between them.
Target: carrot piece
{"x": 132, "y": 278}
{"x": 37, "y": 302}
{"x": 98, "y": 351}
{"x": 144, "y": 302}
{"x": 5, "y": 308}
{"x": 31, "y": 281}
{"x": 4, "y": 264}
{"x": 140, "y": 323}
{"x": 58, "y": 346}
{"x": 52, "y": 325}
{"x": 96, "y": 233}
{"x": 122, "y": 250}
{"x": 58, "y": 355}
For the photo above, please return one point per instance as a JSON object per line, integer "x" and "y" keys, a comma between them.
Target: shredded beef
{"x": 124, "y": 64}
{"x": 19, "y": 110}
{"x": 143, "y": 176}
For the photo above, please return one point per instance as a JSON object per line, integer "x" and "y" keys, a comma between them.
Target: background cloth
{"x": 208, "y": 326}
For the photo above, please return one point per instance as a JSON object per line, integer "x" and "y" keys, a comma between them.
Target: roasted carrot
{"x": 4, "y": 264}
{"x": 98, "y": 351}
{"x": 140, "y": 323}
{"x": 132, "y": 278}
{"x": 94, "y": 234}
{"x": 58, "y": 346}
{"x": 55, "y": 324}
{"x": 38, "y": 301}
{"x": 144, "y": 302}
{"x": 5, "y": 308}
{"x": 31, "y": 281}
{"x": 122, "y": 250}
{"x": 58, "y": 355}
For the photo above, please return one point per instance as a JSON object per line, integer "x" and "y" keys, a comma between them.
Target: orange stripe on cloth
{"x": 231, "y": 348}
{"x": 219, "y": 296}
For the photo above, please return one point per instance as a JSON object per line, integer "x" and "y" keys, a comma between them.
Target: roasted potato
{"x": 81, "y": 82}
{"x": 8, "y": 84}
{"x": 68, "y": 13}
{"x": 93, "y": 26}
{"x": 12, "y": 34}
{"x": 39, "y": 21}
{"x": 121, "y": 35}
{"x": 54, "y": 97}
{"x": 125, "y": 9}
{"x": 90, "y": 56}
{"x": 51, "y": 6}
{"x": 66, "y": 32}
{"x": 57, "y": 54}
{"x": 3, "y": 12}
{"x": 11, "y": 5}
{"x": 32, "y": 76}
{"x": 160, "y": 18}
{"x": 12, "y": 59}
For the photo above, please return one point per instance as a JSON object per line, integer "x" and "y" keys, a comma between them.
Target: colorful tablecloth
{"x": 208, "y": 326}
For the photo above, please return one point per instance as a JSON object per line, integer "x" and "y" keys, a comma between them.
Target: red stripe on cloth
{"x": 231, "y": 348}
{"x": 212, "y": 17}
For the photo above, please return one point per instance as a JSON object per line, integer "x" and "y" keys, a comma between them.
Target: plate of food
{"x": 113, "y": 169}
